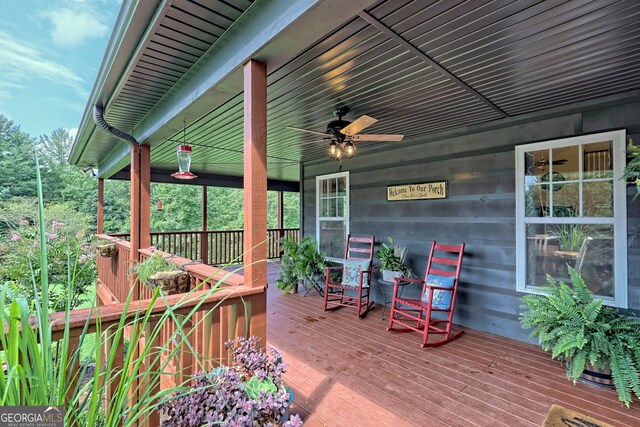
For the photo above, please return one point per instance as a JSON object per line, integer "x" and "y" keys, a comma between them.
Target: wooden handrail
{"x": 201, "y": 271}
{"x": 109, "y": 315}
{"x": 115, "y": 238}
{"x": 215, "y": 247}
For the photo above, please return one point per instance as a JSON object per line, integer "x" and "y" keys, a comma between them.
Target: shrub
{"x": 249, "y": 392}
{"x": 68, "y": 244}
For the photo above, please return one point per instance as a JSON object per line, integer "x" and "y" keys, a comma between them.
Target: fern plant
{"x": 300, "y": 261}
{"x": 578, "y": 329}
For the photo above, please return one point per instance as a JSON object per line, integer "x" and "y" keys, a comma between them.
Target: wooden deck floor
{"x": 350, "y": 372}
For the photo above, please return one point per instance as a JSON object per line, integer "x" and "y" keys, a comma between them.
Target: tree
{"x": 17, "y": 162}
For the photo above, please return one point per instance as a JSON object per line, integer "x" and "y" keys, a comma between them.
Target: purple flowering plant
{"x": 248, "y": 392}
{"x": 69, "y": 248}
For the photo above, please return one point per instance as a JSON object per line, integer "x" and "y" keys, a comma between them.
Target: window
{"x": 332, "y": 213}
{"x": 571, "y": 211}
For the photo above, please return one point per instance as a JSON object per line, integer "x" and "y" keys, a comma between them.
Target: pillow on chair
{"x": 351, "y": 272}
{"x": 441, "y": 298}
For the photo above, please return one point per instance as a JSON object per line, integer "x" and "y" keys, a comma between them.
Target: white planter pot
{"x": 388, "y": 275}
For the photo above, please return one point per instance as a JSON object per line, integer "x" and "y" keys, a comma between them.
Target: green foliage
{"x": 35, "y": 372}
{"x": 578, "y": 329}
{"x": 16, "y": 161}
{"x": 571, "y": 236}
{"x": 632, "y": 169}
{"x": 68, "y": 241}
{"x": 150, "y": 266}
{"x": 255, "y": 386}
{"x": 300, "y": 261}
{"x": 391, "y": 258}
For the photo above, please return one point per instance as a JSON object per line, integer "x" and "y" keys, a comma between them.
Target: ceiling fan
{"x": 343, "y": 133}
{"x": 544, "y": 163}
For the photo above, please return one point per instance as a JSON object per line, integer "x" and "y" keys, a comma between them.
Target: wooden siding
{"x": 480, "y": 210}
{"x": 350, "y": 372}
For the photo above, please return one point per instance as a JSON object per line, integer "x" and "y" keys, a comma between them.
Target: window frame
{"x": 319, "y": 180}
{"x": 618, "y": 220}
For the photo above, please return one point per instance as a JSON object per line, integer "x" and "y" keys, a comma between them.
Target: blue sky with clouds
{"x": 50, "y": 54}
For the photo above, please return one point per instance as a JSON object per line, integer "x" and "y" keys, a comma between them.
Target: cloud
{"x": 20, "y": 61}
{"x": 74, "y": 27}
{"x": 73, "y": 132}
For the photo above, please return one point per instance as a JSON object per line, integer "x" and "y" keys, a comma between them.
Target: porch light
{"x": 159, "y": 205}
{"x": 333, "y": 149}
{"x": 349, "y": 149}
{"x": 184, "y": 163}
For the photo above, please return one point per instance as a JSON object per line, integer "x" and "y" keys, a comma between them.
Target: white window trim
{"x": 619, "y": 220}
{"x": 332, "y": 218}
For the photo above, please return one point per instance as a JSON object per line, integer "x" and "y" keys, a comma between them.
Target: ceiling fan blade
{"x": 357, "y": 125}
{"x": 374, "y": 137}
{"x": 560, "y": 162}
{"x": 307, "y": 130}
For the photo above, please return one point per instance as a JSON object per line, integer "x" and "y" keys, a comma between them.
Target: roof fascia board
{"x": 117, "y": 159}
{"x": 130, "y": 31}
{"x": 210, "y": 180}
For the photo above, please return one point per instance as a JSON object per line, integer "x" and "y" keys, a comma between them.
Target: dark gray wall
{"x": 479, "y": 164}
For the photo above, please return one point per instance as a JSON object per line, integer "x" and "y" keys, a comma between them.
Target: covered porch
{"x": 465, "y": 85}
{"x": 350, "y": 372}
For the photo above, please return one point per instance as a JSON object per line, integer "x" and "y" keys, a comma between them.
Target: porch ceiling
{"x": 420, "y": 67}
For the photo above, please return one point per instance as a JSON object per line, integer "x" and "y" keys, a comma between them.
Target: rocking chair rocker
{"x": 439, "y": 291}
{"x": 356, "y": 276}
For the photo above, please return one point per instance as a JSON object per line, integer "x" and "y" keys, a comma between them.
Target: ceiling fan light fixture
{"x": 339, "y": 152}
{"x": 349, "y": 149}
{"x": 333, "y": 149}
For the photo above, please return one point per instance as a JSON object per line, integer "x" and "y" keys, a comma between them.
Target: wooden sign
{"x": 424, "y": 191}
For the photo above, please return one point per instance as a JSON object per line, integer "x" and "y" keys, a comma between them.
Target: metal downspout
{"x": 98, "y": 119}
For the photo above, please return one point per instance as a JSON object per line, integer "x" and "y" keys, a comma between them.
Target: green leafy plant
{"x": 67, "y": 241}
{"x": 300, "y": 262}
{"x": 150, "y": 266}
{"x": 37, "y": 364}
{"x": 578, "y": 329}
{"x": 391, "y": 258}
{"x": 632, "y": 169}
{"x": 571, "y": 236}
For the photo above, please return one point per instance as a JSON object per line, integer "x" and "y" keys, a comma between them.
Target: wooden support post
{"x": 140, "y": 233}
{"x": 280, "y": 221}
{"x": 255, "y": 185}
{"x": 140, "y": 203}
{"x": 134, "y": 203}
{"x": 204, "y": 241}
{"x": 145, "y": 196}
{"x": 100, "y": 213}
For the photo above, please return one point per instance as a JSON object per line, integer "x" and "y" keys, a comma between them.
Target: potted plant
{"x": 392, "y": 261}
{"x": 107, "y": 250}
{"x": 632, "y": 169}
{"x": 301, "y": 262}
{"x": 586, "y": 335}
{"x": 158, "y": 272}
{"x": 247, "y": 392}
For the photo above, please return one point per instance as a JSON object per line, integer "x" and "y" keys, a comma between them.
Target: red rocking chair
{"x": 439, "y": 290}
{"x": 356, "y": 276}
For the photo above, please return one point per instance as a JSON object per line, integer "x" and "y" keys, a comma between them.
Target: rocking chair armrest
{"x": 338, "y": 267}
{"x": 406, "y": 280}
{"x": 438, "y": 287}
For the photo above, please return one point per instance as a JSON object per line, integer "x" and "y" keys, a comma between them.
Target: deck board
{"x": 351, "y": 372}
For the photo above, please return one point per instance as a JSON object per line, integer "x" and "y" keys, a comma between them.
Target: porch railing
{"x": 216, "y": 247}
{"x": 227, "y": 313}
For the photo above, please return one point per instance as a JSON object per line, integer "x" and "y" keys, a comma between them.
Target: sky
{"x": 50, "y": 54}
